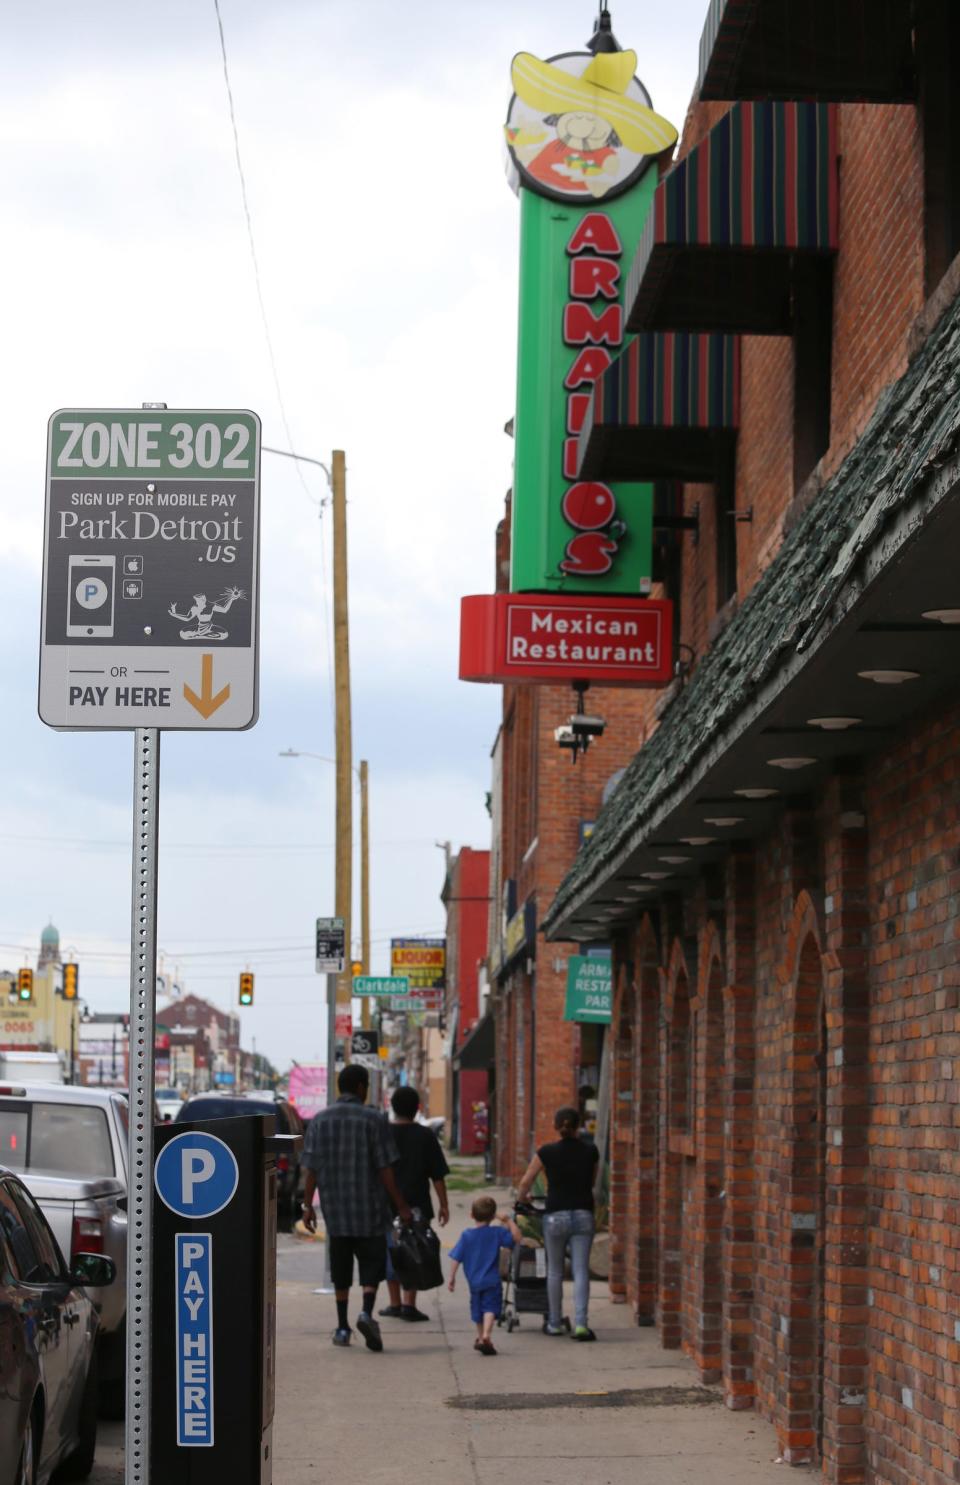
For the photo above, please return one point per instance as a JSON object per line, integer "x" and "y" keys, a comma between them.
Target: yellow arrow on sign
{"x": 206, "y": 703}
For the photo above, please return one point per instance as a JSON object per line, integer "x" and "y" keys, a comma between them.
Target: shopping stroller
{"x": 525, "y": 1287}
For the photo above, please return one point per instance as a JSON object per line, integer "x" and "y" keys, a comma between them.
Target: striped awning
{"x": 668, "y": 408}
{"x": 823, "y": 50}
{"x": 729, "y": 222}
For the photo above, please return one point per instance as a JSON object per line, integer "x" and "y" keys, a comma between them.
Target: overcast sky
{"x": 387, "y": 242}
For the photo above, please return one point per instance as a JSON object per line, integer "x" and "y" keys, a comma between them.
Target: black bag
{"x": 416, "y": 1256}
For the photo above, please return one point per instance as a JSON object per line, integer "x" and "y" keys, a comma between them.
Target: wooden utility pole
{"x": 344, "y": 730}
{"x": 365, "y": 885}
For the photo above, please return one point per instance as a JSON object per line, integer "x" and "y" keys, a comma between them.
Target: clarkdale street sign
{"x": 581, "y": 135}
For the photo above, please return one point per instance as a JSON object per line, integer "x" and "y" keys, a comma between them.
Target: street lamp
{"x": 362, "y": 774}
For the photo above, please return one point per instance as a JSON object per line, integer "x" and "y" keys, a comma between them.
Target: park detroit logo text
{"x": 146, "y": 525}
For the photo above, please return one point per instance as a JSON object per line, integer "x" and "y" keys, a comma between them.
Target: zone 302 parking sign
{"x": 150, "y": 575}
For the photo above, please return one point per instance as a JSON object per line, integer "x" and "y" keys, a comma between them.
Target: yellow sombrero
{"x": 601, "y": 89}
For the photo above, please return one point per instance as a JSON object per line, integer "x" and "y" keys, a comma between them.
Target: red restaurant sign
{"x": 517, "y": 637}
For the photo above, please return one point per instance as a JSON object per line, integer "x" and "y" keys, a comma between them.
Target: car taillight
{"x": 283, "y": 1164}
{"x": 87, "y": 1236}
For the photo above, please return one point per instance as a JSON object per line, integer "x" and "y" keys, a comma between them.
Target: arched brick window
{"x": 805, "y": 1155}
{"x": 682, "y": 1060}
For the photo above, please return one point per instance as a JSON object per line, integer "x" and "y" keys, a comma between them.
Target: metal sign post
{"x": 149, "y": 619}
{"x": 143, "y": 992}
{"x": 326, "y": 1281}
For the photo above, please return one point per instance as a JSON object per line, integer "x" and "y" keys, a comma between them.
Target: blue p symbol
{"x": 92, "y": 592}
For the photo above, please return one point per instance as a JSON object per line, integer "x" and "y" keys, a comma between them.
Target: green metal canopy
{"x": 733, "y": 223}
{"x": 668, "y": 408}
{"x": 824, "y": 50}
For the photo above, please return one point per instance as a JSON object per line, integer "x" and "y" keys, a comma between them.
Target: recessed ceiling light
{"x": 638, "y": 886}
{"x": 723, "y": 820}
{"x": 790, "y": 762}
{"x": 656, "y": 876}
{"x": 756, "y": 793}
{"x": 889, "y": 677}
{"x": 833, "y": 724}
{"x": 673, "y": 860}
{"x": 943, "y": 615}
{"x": 698, "y": 840}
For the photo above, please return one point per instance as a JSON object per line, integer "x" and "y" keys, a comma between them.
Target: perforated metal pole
{"x": 143, "y": 995}
{"x": 326, "y": 1282}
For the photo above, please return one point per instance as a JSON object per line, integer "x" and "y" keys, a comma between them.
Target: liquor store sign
{"x": 150, "y": 580}
{"x": 423, "y": 961}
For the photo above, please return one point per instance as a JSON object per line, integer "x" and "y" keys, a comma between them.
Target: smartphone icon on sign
{"x": 90, "y": 591}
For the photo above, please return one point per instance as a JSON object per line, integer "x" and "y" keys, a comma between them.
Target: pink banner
{"x": 308, "y": 1090}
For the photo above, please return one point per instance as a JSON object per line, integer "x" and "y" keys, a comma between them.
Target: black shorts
{"x": 371, "y": 1256}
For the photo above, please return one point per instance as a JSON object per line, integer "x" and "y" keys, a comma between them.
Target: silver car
{"x": 69, "y": 1147}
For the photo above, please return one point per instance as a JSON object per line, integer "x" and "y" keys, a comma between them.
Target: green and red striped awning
{"x": 822, "y": 50}
{"x": 730, "y": 220}
{"x": 668, "y": 408}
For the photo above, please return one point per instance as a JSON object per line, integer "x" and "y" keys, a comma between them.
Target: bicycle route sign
{"x": 150, "y": 610}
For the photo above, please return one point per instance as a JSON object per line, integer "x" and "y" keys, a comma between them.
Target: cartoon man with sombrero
{"x": 596, "y": 117}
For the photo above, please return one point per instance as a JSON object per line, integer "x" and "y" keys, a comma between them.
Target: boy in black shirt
{"x": 421, "y": 1161}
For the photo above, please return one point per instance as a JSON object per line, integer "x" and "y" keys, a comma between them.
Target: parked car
{"x": 48, "y": 1354}
{"x": 169, "y": 1102}
{"x": 69, "y": 1146}
{"x": 290, "y": 1176}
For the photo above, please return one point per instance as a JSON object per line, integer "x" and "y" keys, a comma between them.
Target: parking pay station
{"x": 214, "y": 1300}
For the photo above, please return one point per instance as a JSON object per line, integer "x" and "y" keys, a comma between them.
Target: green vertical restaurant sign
{"x": 582, "y": 137}
{"x": 589, "y": 989}
{"x": 570, "y": 535}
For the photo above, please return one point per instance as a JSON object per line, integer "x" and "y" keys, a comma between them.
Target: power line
{"x": 250, "y": 238}
{"x": 269, "y": 338}
{"x": 226, "y": 848}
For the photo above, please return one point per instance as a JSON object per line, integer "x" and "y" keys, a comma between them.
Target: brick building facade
{"x": 542, "y": 806}
{"x": 779, "y": 868}
{"x": 466, "y": 898}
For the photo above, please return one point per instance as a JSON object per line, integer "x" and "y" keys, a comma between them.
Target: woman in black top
{"x": 570, "y": 1166}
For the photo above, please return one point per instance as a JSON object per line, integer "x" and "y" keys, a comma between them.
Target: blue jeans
{"x": 560, "y": 1230}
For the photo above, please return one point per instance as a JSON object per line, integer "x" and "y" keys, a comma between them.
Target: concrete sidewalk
{"x": 433, "y": 1411}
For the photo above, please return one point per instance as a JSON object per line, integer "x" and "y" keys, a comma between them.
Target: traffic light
{"x": 71, "y": 978}
{"x": 24, "y": 984}
{"x": 246, "y": 989}
{"x": 356, "y": 968}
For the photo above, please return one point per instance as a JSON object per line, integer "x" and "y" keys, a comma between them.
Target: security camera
{"x": 565, "y": 737}
{"x": 583, "y": 726}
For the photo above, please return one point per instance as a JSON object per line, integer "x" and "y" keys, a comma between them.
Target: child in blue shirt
{"x": 478, "y": 1249}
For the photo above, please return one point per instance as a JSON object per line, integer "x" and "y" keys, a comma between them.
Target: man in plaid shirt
{"x": 349, "y": 1153}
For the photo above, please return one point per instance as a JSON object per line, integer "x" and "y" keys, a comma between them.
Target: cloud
{"x": 387, "y": 245}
